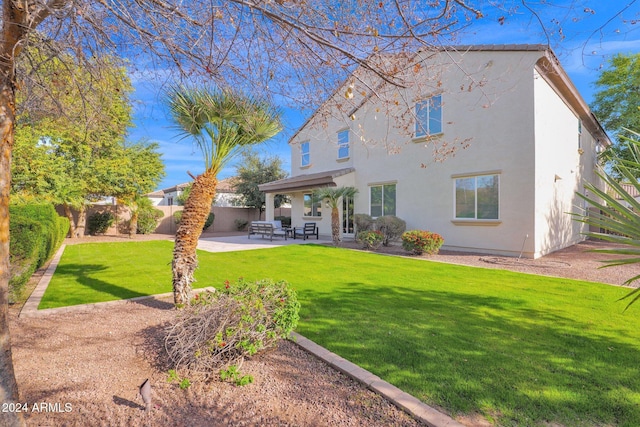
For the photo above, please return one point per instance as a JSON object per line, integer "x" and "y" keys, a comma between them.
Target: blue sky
{"x": 591, "y": 34}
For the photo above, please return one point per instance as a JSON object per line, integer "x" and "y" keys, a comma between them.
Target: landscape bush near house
{"x": 370, "y": 239}
{"x": 363, "y": 222}
{"x": 148, "y": 220}
{"x": 219, "y": 329}
{"x": 177, "y": 217}
{"x": 420, "y": 241}
{"x": 285, "y": 220}
{"x": 391, "y": 228}
{"x": 37, "y": 231}
{"x": 99, "y": 222}
{"x": 241, "y": 224}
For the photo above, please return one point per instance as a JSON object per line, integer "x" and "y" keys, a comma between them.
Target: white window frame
{"x": 475, "y": 188}
{"x": 305, "y": 153}
{"x": 344, "y": 144}
{"x": 423, "y": 130}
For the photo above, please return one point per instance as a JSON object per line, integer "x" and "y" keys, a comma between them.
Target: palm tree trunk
{"x": 335, "y": 226}
{"x": 194, "y": 215}
{"x": 133, "y": 223}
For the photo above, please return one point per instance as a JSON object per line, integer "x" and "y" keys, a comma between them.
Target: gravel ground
{"x": 87, "y": 366}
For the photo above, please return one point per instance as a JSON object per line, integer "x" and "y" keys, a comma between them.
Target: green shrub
{"x": 391, "y": 228}
{"x": 209, "y": 221}
{"x": 219, "y": 329}
{"x": 419, "y": 242}
{"x": 286, "y": 220}
{"x": 241, "y": 224}
{"x": 363, "y": 222}
{"x": 370, "y": 239}
{"x": 177, "y": 217}
{"x": 99, "y": 222}
{"x": 37, "y": 231}
{"x": 148, "y": 220}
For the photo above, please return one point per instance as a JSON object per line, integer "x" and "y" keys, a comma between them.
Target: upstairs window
{"x": 312, "y": 205}
{"x": 477, "y": 197}
{"x": 429, "y": 116}
{"x": 305, "y": 156}
{"x": 579, "y": 134}
{"x": 343, "y": 144}
{"x": 382, "y": 200}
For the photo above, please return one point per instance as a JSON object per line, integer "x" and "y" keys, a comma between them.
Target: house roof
{"x": 224, "y": 186}
{"x": 631, "y": 189}
{"x": 302, "y": 182}
{"x": 158, "y": 193}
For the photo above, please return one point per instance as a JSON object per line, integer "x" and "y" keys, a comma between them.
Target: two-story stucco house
{"x": 490, "y": 150}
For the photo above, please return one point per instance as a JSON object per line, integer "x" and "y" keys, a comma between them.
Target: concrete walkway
{"x": 404, "y": 401}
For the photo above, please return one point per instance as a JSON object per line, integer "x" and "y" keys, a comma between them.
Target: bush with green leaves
{"x": 209, "y": 221}
{"x": 363, "y": 222}
{"x": 285, "y": 220}
{"x": 148, "y": 219}
{"x": 37, "y": 231}
{"x": 177, "y": 217}
{"x": 420, "y": 241}
{"x": 99, "y": 222}
{"x": 370, "y": 239}
{"x": 391, "y": 228}
{"x": 220, "y": 329}
{"x": 241, "y": 224}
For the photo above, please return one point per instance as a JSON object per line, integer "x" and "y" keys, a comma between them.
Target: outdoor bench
{"x": 267, "y": 228}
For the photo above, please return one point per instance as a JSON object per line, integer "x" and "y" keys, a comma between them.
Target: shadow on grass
{"x": 501, "y": 357}
{"x": 84, "y": 275}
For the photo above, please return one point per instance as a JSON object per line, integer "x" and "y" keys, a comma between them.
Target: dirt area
{"x": 85, "y": 367}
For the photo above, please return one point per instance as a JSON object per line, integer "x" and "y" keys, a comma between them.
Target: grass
{"x": 518, "y": 349}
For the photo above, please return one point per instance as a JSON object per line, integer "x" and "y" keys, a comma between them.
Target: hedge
{"x": 36, "y": 233}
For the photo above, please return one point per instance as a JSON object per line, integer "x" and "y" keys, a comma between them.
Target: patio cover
{"x": 303, "y": 182}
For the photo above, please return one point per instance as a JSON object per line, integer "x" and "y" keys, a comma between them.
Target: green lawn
{"x": 519, "y": 349}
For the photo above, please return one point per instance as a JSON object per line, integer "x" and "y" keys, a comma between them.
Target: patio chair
{"x": 309, "y": 229}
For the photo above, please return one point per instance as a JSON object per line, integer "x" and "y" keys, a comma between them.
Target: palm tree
{"x": 222, "y": 123}
{"x": 617, "y": 212}
{"x": 334, "y": 195}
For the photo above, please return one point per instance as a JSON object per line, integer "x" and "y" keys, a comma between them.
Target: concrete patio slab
{"x": 244, "y": 243}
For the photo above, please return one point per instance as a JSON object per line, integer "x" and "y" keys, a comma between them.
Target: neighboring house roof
{"x": 631, "y": 189}
{"x": 302, "y": 182}
{"x": 224, "y": 186}
{"x": 227, "y": 185}
{"x": 156, "y": 194}
{"x": 548, "y": 66}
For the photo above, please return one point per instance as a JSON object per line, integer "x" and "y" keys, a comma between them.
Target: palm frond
{"x": 617, "y": 213}
{"x": 222, "y": 122}
{"x": 334, "y": 194}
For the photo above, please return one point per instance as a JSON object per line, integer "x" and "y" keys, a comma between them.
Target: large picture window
{"x": 477, "y": 197}
{"x": 382, "y": 200}
{"x": 429, "y": 116}
{"x": 305, "y": 154}
{"x": 343, "y": 144}
{"x": 312, "y": 205}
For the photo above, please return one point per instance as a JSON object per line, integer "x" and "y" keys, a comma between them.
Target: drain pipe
{"x": 526, "y": 236}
